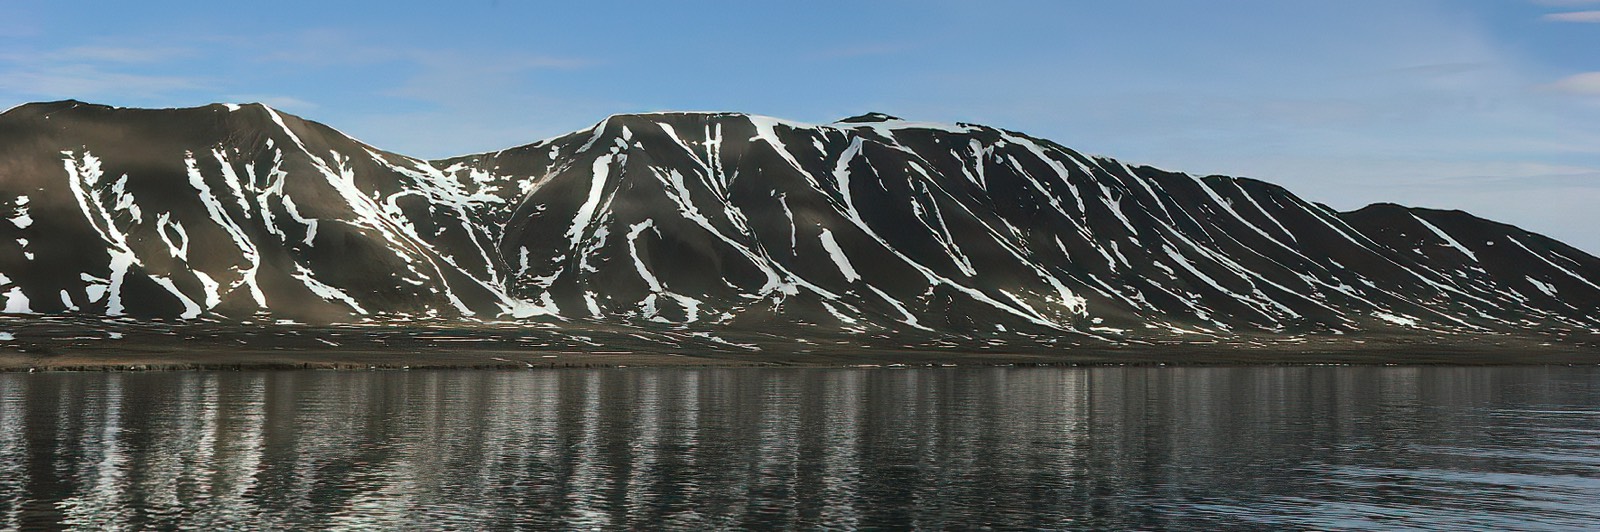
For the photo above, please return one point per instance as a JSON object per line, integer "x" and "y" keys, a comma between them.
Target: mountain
{"x": 228, "y": 211}
{"x": 729, "y": 222}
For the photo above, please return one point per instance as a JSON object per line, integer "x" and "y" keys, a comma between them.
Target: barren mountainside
{"x": 726, "y": 221}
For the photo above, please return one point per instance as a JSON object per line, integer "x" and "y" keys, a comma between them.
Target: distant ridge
{"x": 868, "y": 118}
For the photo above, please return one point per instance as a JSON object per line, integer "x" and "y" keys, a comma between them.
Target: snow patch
{"x": 1406, "y": 321}
{"x": 21, "y": 219}
{"x": 17, "y": 302}
{"x": 586, "y": 211}
{"x": 1547, "y": 288}
{"x": 323, "y": 290}
{"x": 837, "y": 254}
{"x": 190, "y": 309}
{"x": 1552, "y": 264}
{"x": 1447, "y": 239}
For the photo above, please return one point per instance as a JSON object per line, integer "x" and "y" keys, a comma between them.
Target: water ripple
{"x": 1101, "y": 448}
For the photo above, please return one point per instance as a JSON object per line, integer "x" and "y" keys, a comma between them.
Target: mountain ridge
{"x": 718, "y": 221}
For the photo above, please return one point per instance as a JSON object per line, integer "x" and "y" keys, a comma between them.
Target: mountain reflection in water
{"x": 1273, "y": 447}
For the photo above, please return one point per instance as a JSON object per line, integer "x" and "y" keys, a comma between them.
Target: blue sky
{"x": 1489, "y": 106}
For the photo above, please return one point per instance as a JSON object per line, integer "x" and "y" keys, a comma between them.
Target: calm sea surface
{"x": 954, "y": 448}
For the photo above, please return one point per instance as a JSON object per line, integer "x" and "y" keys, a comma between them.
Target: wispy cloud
{"x": 87, "y": 81}
{"x": 92, "y": 71}
{"x": 860, "y": 50}
{"x": 460, "y": 81}
{"x": 1441, "y": 69}
{"x": 1575, "y": 16}
{"x": 440, "y": 101}
{"x": 103, "y": 55}
{"x": 1565, "y": 3}
{"x": 323, "y": 48}
{"x": 1587, "y": 84}
{"x": 117, "y": 54}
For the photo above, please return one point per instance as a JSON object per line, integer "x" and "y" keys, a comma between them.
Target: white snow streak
{"x": 1552, "y": 264}
{"x": 691, "y": 306}
{"x": 837, "y": 254}
{"x": 83, "y": 174}
{"x": 586, "y": 211}
{"x": 190, "y": 309}
{"x": 783, "y": 200}
{"x": 1397, "y": 320}
{"x": 905, "y": 315}
{"x": 323, "y": 290}
{"x": 1447, "y": 239}
{"x": 1547, "y": 288}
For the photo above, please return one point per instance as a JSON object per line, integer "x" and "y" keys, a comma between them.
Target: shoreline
{"x": 369, "y": 360}
{"x": 89, "y": 345}
{"x": 219, "y": 368}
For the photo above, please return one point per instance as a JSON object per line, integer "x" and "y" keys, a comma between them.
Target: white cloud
{"x": 460, "y": 81}
{"x": 1587, "y": 83}
{"x": 85, "y": 81}
{"x": 1575, "y": 16}
{"x": 92, "y": 72}
{"x": 860, "y": 50}
{"x": 326, "y": 48}
{"x": 104, "y": 55}
{"x": 116, "y": 54}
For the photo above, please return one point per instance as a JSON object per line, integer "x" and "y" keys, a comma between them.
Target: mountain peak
{"x": 670, "y": 117}
{"x": 54, "y": 105}
{"x": 51, "y": 107}
{"x": 869, "y": 118}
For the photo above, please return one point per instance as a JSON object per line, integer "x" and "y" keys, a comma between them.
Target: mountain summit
{"x": 728, "y": 221}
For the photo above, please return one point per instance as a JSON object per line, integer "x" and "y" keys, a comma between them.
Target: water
{"x": 1002, "y": 448}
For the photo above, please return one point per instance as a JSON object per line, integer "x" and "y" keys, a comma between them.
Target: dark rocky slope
{"x": 730, "y": 222}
